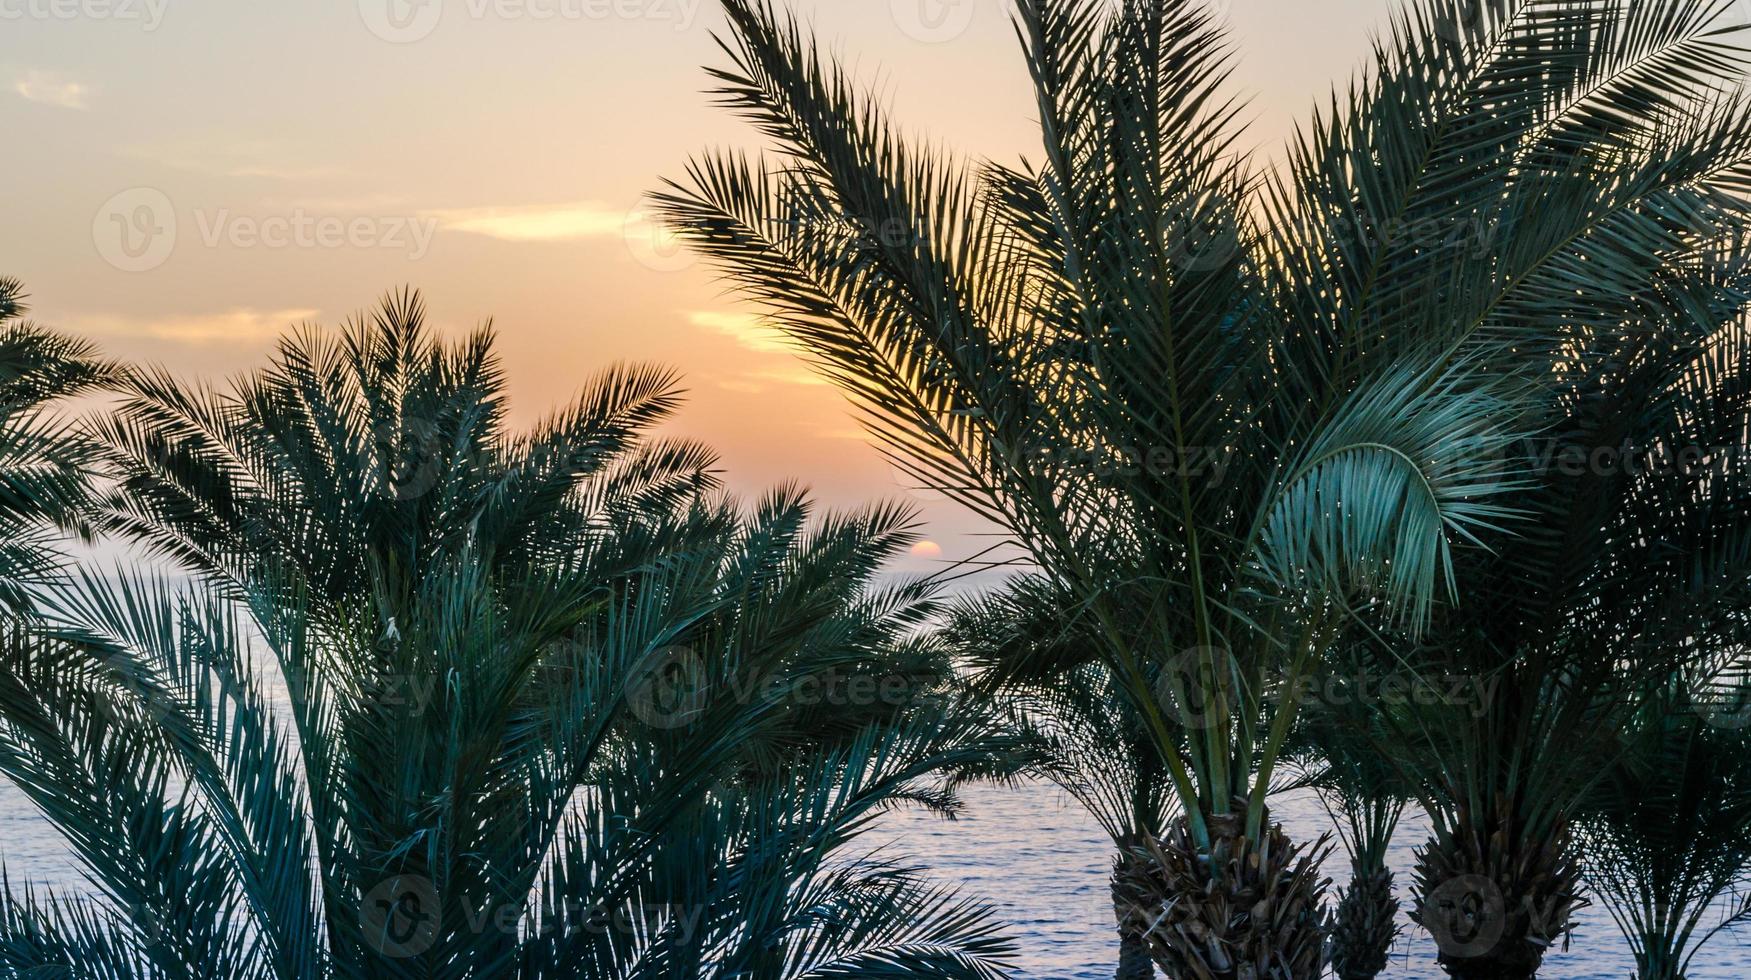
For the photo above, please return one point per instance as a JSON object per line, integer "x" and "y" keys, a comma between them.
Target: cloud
{"x": 225, "y": 156}
{"x": 52, "y": 88}
{"x": 241, "y": 325}
{"x": 798, "y": 376}
{"x": 539, "y": 223}
{"x": 749, "y": 330}
{"x": 741, "y": 386}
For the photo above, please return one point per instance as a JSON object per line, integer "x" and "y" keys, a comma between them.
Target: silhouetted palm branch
{"x": 450, "y": 702}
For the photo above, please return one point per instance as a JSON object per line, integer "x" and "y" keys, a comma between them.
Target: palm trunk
{"x": 1134, "y": 961}
{"x": 1243, "y": 910}
{"x": 1659, "y": 960}
{"x": 1493, "y": 901}
{"x": 1365, "y": 925}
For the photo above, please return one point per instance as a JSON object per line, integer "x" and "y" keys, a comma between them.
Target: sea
{"x": 1037, "y": 857}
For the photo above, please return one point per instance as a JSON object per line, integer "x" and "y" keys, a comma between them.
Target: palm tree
{"x": 365, "y": 458}
{"x": 1632, "y": 571}
{"x": 1670, "y": 842}
{"x": 1337, "y": 751}
{"x": 1067, "y": 348}
{"x": 1046, "y": 675}
{"x": 42, "y": 465}
{"x": 540, "y": 697}
{"x": 1365, "y": 924}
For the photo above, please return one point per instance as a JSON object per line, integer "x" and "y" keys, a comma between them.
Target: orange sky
{"x": 313, "y": 154}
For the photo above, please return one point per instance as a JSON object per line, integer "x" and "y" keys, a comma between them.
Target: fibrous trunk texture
{"x": 1134, "y": 961}
{"x": 1493, "y": 900}
{"x": 1248, "y": 910}
{"x": 1365, "y": 925}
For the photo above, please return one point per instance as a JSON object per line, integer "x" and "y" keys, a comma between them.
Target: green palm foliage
{"x": 452, "y": 702}
{"x": 1337, "y": 749}
{"x": 1668, "y": 850}
{"x": 1599, "y": 155}
{"x": 365, "y": 459}
{"x": 1046, "y": 676}
{"x": 1064, "y": 347}
{"x": 43, "y": 466}
{"x": 1633, "y": 564}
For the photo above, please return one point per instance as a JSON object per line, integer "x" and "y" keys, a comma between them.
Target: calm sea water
{"x": 1043, "y": 862}
{"x": 1039, "y": 857}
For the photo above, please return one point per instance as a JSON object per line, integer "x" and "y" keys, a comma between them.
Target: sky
{"x": 183, "y": 179}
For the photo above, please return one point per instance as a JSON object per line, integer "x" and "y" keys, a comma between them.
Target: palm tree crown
{"x": 43, "y": 465}
{"x": 1360, "y": 340}
{"x": 448, "y": 702}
